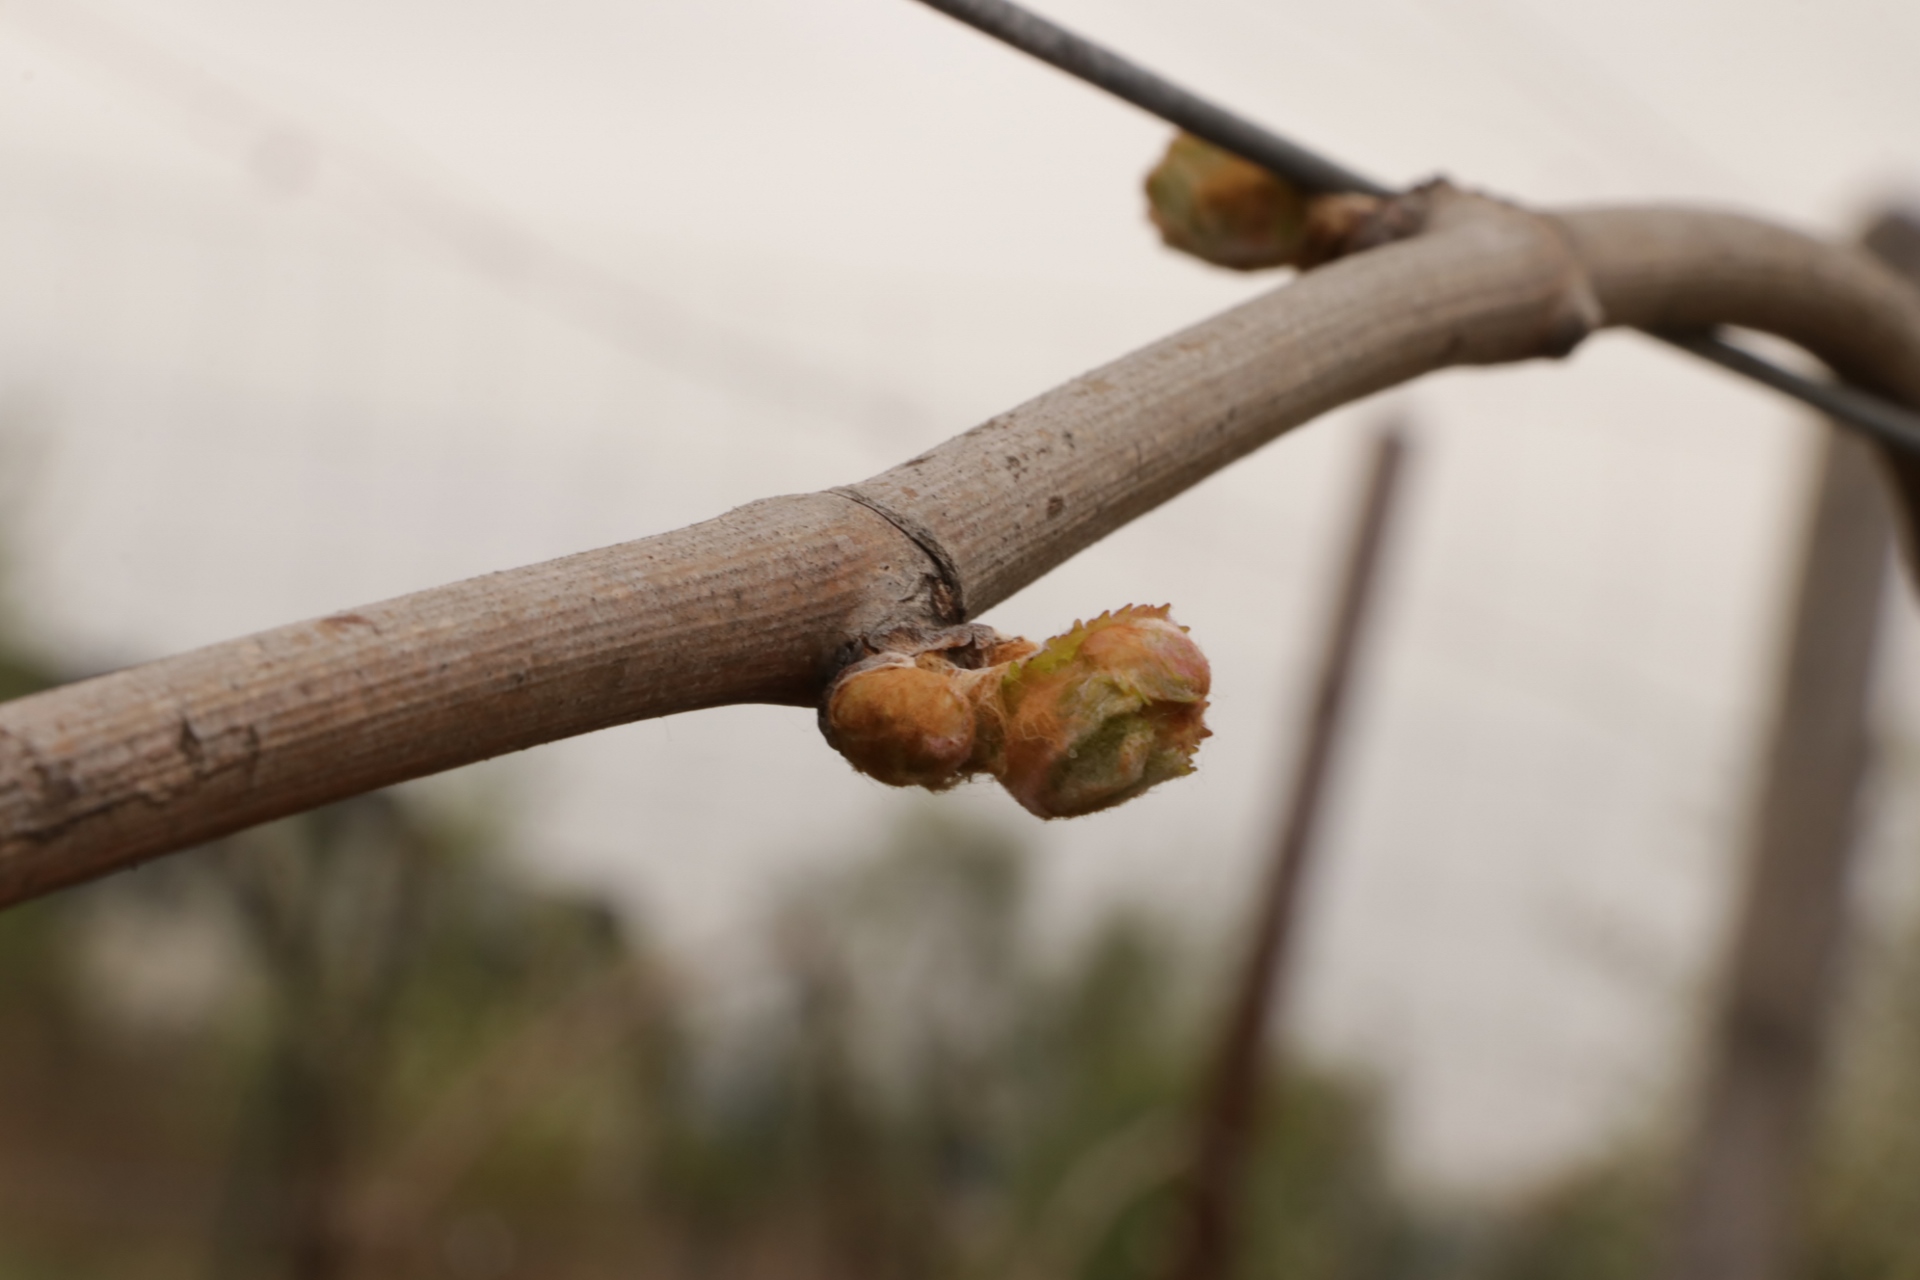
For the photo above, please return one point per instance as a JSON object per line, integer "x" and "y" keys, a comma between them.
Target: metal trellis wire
{"x": 1874, "y": 416}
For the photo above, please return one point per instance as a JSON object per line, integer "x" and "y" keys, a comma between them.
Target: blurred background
{"x": 303, "y": 306}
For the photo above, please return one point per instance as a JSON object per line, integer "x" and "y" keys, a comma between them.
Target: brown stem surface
{"x": 762, "y": 604}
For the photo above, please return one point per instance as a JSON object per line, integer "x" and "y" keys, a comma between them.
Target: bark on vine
{"x": 766, "y": 603}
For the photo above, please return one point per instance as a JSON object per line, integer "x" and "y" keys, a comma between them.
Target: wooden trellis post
{"x": 1739, "y": 1214}
{"x": 1228, "y": 1115}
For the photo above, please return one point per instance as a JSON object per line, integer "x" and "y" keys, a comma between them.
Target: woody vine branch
{"x": 769, "y": 602}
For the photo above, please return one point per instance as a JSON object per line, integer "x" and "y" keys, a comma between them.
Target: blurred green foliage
{"x": 357, "y": 1044}
{"x": 1866, "y": 1215}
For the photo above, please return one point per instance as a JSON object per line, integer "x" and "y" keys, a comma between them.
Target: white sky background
{"x": 277, "y": 320}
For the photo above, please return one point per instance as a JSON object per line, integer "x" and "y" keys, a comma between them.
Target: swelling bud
{"x": 1225, "y": 210}
{"x": 907, "y": 725}
{"x": 1102, "y": 713}
{"x": 1233, "y": 213}
{"x": 1092, "y": 718}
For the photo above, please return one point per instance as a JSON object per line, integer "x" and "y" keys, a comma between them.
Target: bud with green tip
{"x": 1225, "y": 210}
{"x": 1094, "y": 717}
{"x": 1233, "y": 213}
{"x": 1102, "y": 713}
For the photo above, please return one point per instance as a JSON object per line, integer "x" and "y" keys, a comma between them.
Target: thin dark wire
{"x": 1869, "y": 415}
{"x": 1074, "y": 54}
{"x": 1125, "y": 79}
